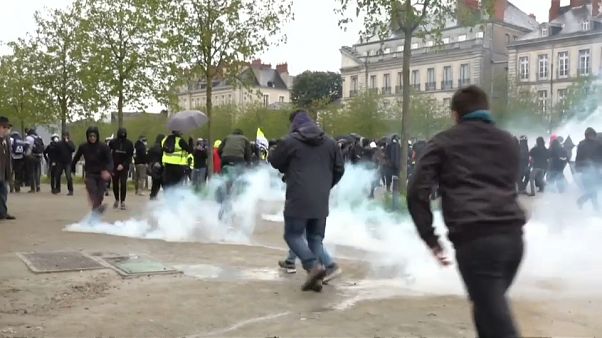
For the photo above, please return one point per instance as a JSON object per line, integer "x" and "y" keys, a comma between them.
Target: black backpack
{"x": 169, "y": 146}
{"x": 38, "y": 146}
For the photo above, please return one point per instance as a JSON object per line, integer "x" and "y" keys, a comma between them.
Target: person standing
{"x": 141, "y": 164}
{"x": 52, "y": 157}
{"x": 393, "y": 157}
{"x": 217, "y": 160}
{"x": 5, "y": 167}
{"x": 540, "y": 156}
{"x": 199, "y": 163}
{"x": 155, "y": 161}
{"x": 19, "y": 149}
{"x": 312, "y": 164}
{"x": 175, "y": 159}
{"x": 475, "y": 165}
{"x": 98, "y": 166}
{"x": 66, "y": 148}
{"x": 587, "y": 164}
{"x": 34, "y": 160}
{"x": 122, "y": 151}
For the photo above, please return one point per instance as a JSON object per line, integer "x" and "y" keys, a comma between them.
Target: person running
{"x": 235, "y": 150}
{"x": 155, "y": 162}
{"x": 66, "y": 148}
{"x": 122, "y": 151}
{"x": 5, "y": 167}
{"x": 312, "y": 164}
{"x": 540, "y": 156}
{"x": 175, "y": 159}
{"x": 141, "y": 164}
{"x": 475, "y": 165}
{"x": 587, "y": 164}
{"x": 52, "y": 157}
{"x": 98, "y": 166}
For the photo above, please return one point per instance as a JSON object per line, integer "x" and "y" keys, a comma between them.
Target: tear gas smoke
{"x": 560, "y": 238}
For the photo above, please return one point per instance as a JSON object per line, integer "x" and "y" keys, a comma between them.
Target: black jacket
{"x": 558, "y": 157}
{"x": 65, "y": 151}
{"x": 122, "y": 149}
{"x": 393, "y": 154}
{"x": 97, "y": 156}
{"x": 589, "y": 155}
{"x": 52, "y": 153}
{"x": 141, "y": 153}
{"x": 200, "y": 158}
{"x": 540, "y": 156}
{"x": 312, "y": 164}
{"x": 474, "y": 163}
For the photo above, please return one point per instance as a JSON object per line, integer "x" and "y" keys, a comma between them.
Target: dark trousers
{"x": 19, "y": 170}
{"x": 34, "y": 171}
{"x": 309, "y": 249}
{"x": 525, "y": 175}
{"x": 95, "y": 186}
{"x": 55, "y": 178}
{"x": 173, "y": 175}
{"x": 66, "y": 168}
{"x": 120, "y": 184}
{"x": 156, "y": 186}
{"x": 3, "y": 199}
{"x": 537, "y": 179}
{"x": 488, "y": 266}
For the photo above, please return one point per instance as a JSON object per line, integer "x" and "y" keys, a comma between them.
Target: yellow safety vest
{"x": 178, "y": 157}
{"x": 190, "y": 161}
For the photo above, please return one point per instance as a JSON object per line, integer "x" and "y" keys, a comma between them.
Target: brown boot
{"x": 314, "y": 279}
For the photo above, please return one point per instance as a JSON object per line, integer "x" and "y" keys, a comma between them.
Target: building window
{"x": 464, "y": 75}
{"x": 480, "y": 35}
{"x": 586, "y": 25}
{"x": 354, "y": 83}
{"x": 387, "y": 50}
{"x": 562, "y": 95}
{"x": 544, "y": 31}
{"x": 462, "y": 37}
{"x": 563, "y": 64}
{"x": 399, "y": 82}
{"x": 584, "y": 62}
{"x": 431, "y": 79}
{"x": 372, "y": 81}
{"x": 415, "y": 45}
{"x": 416, "y": 79}
{"x": 448, "y": 81}
{"x": 524, "y": 68}
{"x": 281, "y": 99}
{"x": 387, "y": 84}
{"x": 429, "y": 43}
{"x": 542, "y": 97}
{"x": 543, "y": 66}
{"x": 266, "y": 100}
{"x": 445, "y": 40}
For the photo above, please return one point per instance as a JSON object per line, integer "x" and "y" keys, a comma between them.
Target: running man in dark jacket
{"x": 540, "y": 156}
{"x": 475, "y": 165}
{"x": 587, "y": 164}
{"x": 312, "y": 164}
{"x": 122, "y": 150}
{"x": 99, "y": 164}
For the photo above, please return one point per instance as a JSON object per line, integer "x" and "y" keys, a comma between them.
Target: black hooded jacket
{"x": 540, "y": 155}
{"x": 312, "y": 164}
{"x": 589, "y": 155}
{"x": 122, "y": 149}
{"x": 97, "y": 155}
{"x": 524, "y": 154}
{"x": 558, "y": 157}
{"x": 65, "y": 150}
{"x": 141, "y": 153}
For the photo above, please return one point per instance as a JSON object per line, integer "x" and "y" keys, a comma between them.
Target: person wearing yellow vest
{"x": 175, "y": 159}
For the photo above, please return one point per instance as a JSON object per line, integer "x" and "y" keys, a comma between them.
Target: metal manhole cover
{"x": 43, "y": 262}
{"x": 138, "y": 265}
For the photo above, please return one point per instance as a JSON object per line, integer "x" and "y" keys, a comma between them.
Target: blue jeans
{"x": 326, "y": 259}
{"x": 313, "y": 229}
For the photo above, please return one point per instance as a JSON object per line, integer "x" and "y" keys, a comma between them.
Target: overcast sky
{"x": 314, "y": 37}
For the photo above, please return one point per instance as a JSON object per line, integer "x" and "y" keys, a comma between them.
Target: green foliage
{"x": 582, "y": 99}
{"x": 523, "y": 112}
{"x": 428, "y": 117}
{"x": 310, "y": 87}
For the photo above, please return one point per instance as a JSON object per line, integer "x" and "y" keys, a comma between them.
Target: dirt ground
{"x": 226, "y": 290}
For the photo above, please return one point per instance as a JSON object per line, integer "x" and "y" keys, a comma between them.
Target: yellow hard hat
{"x": 217, "y": 143}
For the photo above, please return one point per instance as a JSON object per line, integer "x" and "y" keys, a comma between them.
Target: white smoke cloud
{"x": 560, "y": 239}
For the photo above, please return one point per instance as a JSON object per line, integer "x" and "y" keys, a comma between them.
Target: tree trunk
{"x": 120, "y": 106}
{"x": 209, "y": 108}
{"x": 405, "y": 110}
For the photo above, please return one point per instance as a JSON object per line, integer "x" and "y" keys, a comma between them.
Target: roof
{"x": 268, "y": 78}
{"x": 568, "y": 22}
{"x": 514, "y": 16}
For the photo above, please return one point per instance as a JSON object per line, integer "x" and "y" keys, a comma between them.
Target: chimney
{"x": 282, "y": 68}
{"x": 596, "y": 8}
{"x": 472, "y": 4}
{"x": 554, "y": 10}
{"x": 577, "y": 3}
{"x": 256, "y": 63}
{"x": 532, "y": 16}
{"x": 499, "y": 8}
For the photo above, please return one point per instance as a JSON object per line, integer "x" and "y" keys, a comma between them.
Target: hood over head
{"x": 16, "y": 135}
{"x": 122, "y": 133}
{"x": 541, "y": 142}
{"x": 305, "y": 129}
{"x": 92, "y": 130}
